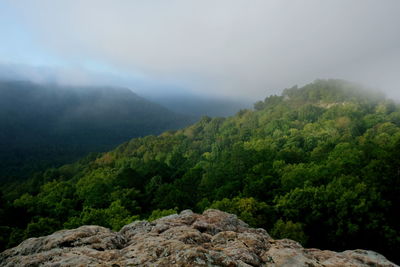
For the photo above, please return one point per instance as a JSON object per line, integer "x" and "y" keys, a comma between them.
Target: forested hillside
{"x": 318, "y": 164}
{"x": 50, "y": 125}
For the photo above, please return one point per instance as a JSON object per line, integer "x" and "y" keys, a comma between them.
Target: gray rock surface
{"x": 214, "y": 238}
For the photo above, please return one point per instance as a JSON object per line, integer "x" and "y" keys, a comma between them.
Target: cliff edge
{"x": 214, "y": 238}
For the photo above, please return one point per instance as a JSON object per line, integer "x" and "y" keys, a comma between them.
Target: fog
{"x": 226, "y": 48}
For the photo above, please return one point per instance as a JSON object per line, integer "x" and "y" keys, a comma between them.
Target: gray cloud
{"x": 227, "y": 47}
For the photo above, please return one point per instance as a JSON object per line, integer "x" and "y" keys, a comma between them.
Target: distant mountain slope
{"x": 199, "y": 106}
{"x": 42, "y": 125}
{"x": 317, "y": 164}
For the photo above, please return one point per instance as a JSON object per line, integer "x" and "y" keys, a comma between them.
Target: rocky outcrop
{"x": 213, "y": 238}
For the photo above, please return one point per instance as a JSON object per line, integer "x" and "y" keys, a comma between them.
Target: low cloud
{"x": 239, "y": 48}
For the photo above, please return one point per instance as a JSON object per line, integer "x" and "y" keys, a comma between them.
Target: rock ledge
{"x": 214, "y": 238}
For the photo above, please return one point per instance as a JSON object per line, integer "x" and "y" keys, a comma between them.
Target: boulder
{"x": 214, "y": 238}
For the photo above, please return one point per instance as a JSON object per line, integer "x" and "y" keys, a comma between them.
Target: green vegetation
{"x": 319, "y": 164}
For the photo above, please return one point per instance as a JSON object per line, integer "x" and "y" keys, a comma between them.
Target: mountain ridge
{"x": 59, "y": 124}
{"x": 324, "y": 176}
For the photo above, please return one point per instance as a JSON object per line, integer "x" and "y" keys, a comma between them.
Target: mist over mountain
{"x": 317, "y": 164}
{"x": 173, "y": 97}
{"x": 226, "y": 48}
{"x": 198, "y": 106}
{"x": 115, "y": 111}
{"x": 46, "y": 125}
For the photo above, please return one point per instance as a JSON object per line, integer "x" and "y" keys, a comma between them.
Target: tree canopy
{"x": 318, "y": 164}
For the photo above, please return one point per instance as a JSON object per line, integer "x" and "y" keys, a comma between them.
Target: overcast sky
{"x": 243, "y": 49}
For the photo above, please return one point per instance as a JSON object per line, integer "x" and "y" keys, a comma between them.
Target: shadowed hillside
{"x": 47, "y": 125}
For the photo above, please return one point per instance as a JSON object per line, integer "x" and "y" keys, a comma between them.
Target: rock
{"x": 214, "y": 238}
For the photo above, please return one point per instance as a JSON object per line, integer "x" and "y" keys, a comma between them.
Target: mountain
{"x": 198, "y": 106}
{"x": 47, "y": 125}
{"x": 213, "y": 238}
{"x": 318, "y": 164}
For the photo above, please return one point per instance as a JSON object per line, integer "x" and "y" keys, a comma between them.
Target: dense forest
{"x": 319, "y": 164}
{"x": 46, "y": 125}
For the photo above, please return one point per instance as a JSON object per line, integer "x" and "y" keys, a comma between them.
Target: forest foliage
{"x": 318, "y": 164}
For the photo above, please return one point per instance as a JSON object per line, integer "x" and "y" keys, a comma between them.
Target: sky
{"x": 227, "y": 48}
